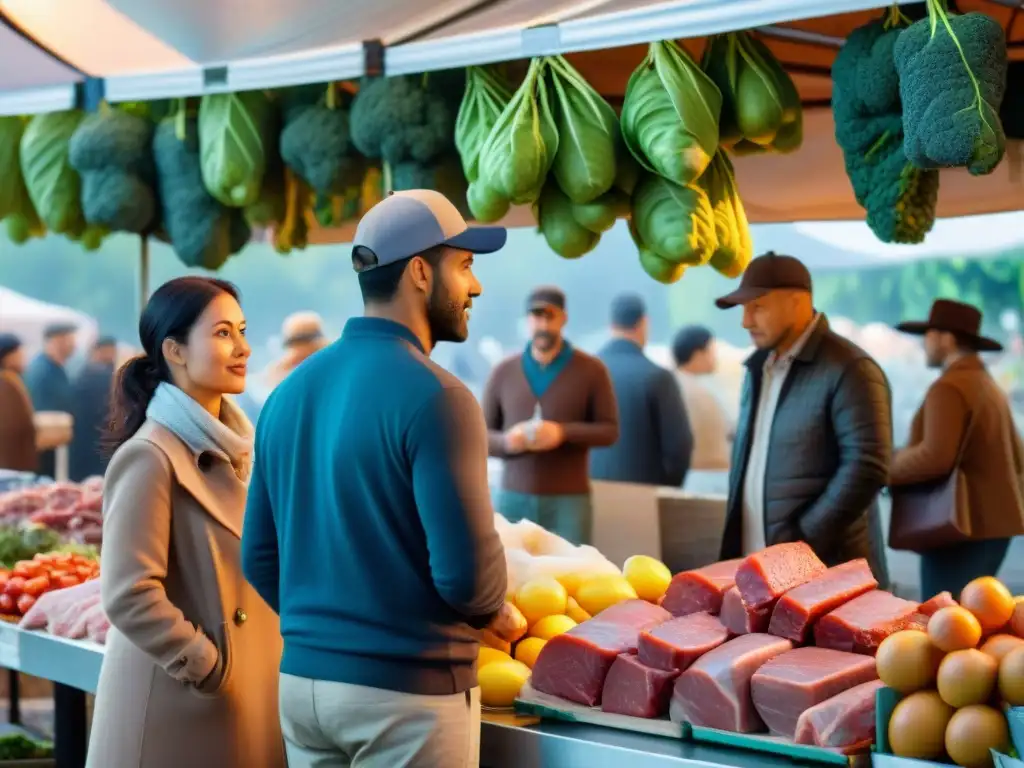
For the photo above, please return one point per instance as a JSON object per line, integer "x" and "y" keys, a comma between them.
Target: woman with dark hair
{"x": 190, "y": 672}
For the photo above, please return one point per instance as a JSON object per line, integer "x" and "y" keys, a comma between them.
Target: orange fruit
{"x": 972, "y": 732}
{"x": 907, "y": 661}
{"x": 918, "y": 725}
{"x": 967, "y": 677}
{"x": 1011, "y": 678}
{"x": 954, "y": 629}
{"x": 990, "y": 602}
{"x": 997, "y": 646}
{"x": 1017, "y": 620}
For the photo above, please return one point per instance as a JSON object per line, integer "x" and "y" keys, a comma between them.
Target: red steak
{"x": 845, "y": 720}
{"x": 741, "y": 620}
{"x": 701, "y": 589}
{"x": 863, "y": 623}
{"x": 799, "y": 608}
{"x": 632, "y": 688}
{"x": 679, "y": 642}
{"x": 764, "y": 576}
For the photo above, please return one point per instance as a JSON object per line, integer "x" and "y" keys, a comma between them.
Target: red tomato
{"x": 68, "y": 581}
{"x": 55, "y": 574}
{"x": 62, "y": 559}
{"x": 15, "y": 586}
{"x": 24, "y": 603}
{"x": 7, "y": 604}
{"x": 83, "y": 571}
{"x": 28, "y": 568}
{"x": 4, "y": 576}
{"x": 36, "y": 586}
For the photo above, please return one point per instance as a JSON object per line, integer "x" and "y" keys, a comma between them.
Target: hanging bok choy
{"x": 483, "y": 102}
{"x": 670, "y": 114}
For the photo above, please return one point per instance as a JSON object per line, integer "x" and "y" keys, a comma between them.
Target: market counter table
{"x": 506, "y": 741}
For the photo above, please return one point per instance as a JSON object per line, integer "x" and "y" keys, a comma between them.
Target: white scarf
{"x": 230, "y": 438}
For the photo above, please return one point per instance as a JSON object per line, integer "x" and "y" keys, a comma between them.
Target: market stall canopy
{"x": 26, "y": 318}
{"x": 151, "y": 49}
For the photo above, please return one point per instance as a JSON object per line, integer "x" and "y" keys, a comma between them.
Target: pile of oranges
{"x": 955, "y": 677}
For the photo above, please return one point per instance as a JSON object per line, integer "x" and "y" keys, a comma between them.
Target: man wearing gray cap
{"x": 814, "y": 435}
{"x": 545, "y": 409}
{"x": 46, "y": 379}
{"x": 655, "y": 441}
{"x": 369, "y": 526}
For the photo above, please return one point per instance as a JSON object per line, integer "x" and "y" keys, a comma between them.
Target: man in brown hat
{"x": 814, "y": 435}
{"x": 965, "y": 416}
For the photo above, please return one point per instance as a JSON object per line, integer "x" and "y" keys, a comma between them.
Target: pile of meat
{"x": 73, "y": 509}
{"x": 775, "y": 641}
{"x": 75, "y": 613}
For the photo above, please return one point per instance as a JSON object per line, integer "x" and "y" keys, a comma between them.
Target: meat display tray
{"x": 550, "y": 707}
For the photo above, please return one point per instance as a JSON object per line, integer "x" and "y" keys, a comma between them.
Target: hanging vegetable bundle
{"x": 734, "y": 247}
{"x": 112, "y": 152}
{"x": 234, "y": 131}
{"x": 203, "y": 232}
{"x": 675, "y": 224}
{"x": 670, "y": 114}
{"x": 761, "y": 109}
{"x": 52, "y": 184}
{"x": 952, "y": 75}
{"x": 16, "y": 209}
{"x": 899, "y": 198}
{"x": 485, "y": 98}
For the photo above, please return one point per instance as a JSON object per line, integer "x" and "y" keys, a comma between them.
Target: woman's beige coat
{"x": 190, "y": 674}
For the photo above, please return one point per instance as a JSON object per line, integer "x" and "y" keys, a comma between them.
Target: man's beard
{"x": 544, "y": 341}
{"x": 446, "y": 317}
{"x": 934, "y": 359}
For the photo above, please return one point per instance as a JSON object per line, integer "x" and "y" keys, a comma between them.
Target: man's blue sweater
{"x": 369, "y": 526}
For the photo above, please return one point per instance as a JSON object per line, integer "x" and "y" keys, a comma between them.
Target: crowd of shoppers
{"x": 311, "y": 593}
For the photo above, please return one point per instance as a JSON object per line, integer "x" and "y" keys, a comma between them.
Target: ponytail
{"x": 134, "y": 385}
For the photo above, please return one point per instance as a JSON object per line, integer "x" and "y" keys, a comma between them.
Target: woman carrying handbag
{"x": 957, "y": 487}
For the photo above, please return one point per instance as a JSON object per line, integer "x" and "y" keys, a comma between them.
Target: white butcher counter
{"x": 507, "y": 741}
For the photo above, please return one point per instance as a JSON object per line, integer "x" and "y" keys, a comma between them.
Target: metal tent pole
{"x": 143, "y": 289}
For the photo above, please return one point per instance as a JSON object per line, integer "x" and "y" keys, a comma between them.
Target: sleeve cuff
{"x": 196, "y": 662}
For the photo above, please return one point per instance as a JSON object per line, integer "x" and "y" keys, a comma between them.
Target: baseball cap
{"x": 412, "y": 221}
{"x": 545, "y": 296}
{"x": 59, "y": 329}
{"x": 627, "y": 311}
{"x": 768, "y": 272}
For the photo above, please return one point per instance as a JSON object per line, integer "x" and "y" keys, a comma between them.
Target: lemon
{"x": 501, "y": 681}
{"x": 571, "y": 582}
{"x": 649, "y": 577}
{"x": 574, "y": 612}
{"x": 488, "y": 655}
{"x": 538, "y": 598}
{"x": 550, "y": 626}
{"x": 600, "y": 592}
{"x": 529, "y": 649}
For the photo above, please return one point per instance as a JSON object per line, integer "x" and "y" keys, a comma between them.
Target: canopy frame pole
{"x": 143, "y": 286}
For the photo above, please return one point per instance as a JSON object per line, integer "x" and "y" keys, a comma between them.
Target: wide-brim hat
{"x": 957, "y": 318}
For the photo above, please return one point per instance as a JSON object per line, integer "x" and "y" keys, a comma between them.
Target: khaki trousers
{"x": 337, "y": 725}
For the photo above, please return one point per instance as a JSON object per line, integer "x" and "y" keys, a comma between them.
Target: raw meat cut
{"x": 679, "y": 642}
{"x": 715, "y": 691}
{"x": 632, "y": 688}
{"x": 845, "y": 720}
{"x": 863, "y": 623}
{"x": 741, "y": 620}
{"x": 799, "y": 608}
{"x": 573, "y": 665}
{"x": 701, "y": 589}
{"x": 796, "y": 681}
{"x": 941, "y": 600}
{"x": 764, "y": 576}
{"x": 73, "y": 612}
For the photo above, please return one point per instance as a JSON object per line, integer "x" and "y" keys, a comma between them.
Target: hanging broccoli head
{"x": 398, "y": 119}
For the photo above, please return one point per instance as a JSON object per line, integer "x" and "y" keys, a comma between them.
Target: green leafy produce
{"x": 316, "y": 144}
{"x": 760, "y": 104}
{"x": 670, "y": 114}
{"x": 25, "y": 543}
{"x": 600, "y": 214}
{"x": 234, "y": 131}
{"x": 952, "y": 76}
{"x": 401, "y": 118}
{"x": 899, "y": 198}
{"x": 53, "y": 185}
{"x": 563, "y": 234}
{"x": 16, "y": 208}
{"x": 485, "y": 204}
{"x": 662, "y": 270}
{"x": 203, "y": 232}
{"x": 19, "y": 747}
{"x": 588, "y": 132}
{"x": 485, "y": 97}
{"x": 735, "y": 248}
{"x": 675, "y": 222}
{"x": 522, "y": 145}
{"x": 112, "y": 152}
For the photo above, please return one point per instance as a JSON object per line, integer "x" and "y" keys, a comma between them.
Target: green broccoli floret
{"x": 202, "y": 232}
{"x": 952, "y": 72}
{"x": 315, "y": 144}
{"x": 111, "y": 150}
{"x": 399, "y": 119}
{"x": 898, "y": 198}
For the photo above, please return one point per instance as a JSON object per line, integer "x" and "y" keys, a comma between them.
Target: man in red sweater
{"x": 545, "y": 409}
